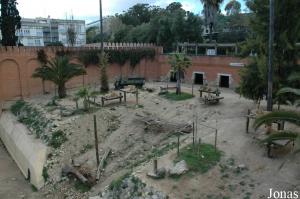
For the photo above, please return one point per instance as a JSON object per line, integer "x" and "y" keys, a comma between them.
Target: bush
{"x": 45, "y": 173}
{"x": 57, "y": 139}
{"x": 16, "y": 108}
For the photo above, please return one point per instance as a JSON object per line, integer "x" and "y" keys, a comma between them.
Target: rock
{"x": 179, "y": 168}
{"x": 241, "y": 167}
{"x": 95, "y": 197}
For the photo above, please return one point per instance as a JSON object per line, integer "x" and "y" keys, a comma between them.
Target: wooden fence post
{"x": 248, "y": 121}
{"x": 96, "y": 140}
{"x": 216, "y": 137}
{"x": 178, "y": 143}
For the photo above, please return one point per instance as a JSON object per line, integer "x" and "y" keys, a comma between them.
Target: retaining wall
{"x": 29, "y": 153}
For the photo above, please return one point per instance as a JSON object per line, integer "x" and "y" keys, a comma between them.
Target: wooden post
{"x": 216, "y": 137}
{"x": 178, "y": 143}
{"x": 125, "y": 100}
{"x": 199, "y": 144}
{"x": 137, "y": 96}
{"x": 96, "y": 140}
{"x": 248, "y": 120}
{"x": 155, "y": 166}
{"x": 193, "y": 134}
{"x": 193, "y": 89}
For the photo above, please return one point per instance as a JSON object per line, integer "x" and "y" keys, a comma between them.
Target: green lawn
{"x": 174, "y": 97}
{"x": 200, "y": 159}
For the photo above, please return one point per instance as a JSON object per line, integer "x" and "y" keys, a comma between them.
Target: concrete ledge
{"x": 29, "y": 153}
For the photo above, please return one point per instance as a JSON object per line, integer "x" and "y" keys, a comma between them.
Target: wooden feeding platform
{"x": 129, "y": 90}
{"x": 209, "y": 91}
{"x": 212, "y": 97}
{"x": 111, "y": 97}
{"x": 164, "y": 90}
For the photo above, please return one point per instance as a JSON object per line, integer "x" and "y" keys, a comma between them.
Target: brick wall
{"x": 18, "y": 64}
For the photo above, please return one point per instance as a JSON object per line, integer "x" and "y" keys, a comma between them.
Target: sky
{"x": 89, "y": 9}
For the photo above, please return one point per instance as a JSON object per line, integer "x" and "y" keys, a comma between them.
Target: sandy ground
{"x": 120, "y": 130}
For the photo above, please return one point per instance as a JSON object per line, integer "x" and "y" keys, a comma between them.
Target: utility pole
{"x": 270, "y": 58}
{"x": 101, "y": 26}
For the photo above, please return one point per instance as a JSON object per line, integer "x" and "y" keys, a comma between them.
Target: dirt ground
{"x": 121, "y": 129}
{"x": 12, "y": 182}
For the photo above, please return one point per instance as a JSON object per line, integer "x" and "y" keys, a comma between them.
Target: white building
{"x": 44, "y": 31}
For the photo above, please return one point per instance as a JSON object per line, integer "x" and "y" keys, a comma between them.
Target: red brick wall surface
{"x": 18, "y": 64}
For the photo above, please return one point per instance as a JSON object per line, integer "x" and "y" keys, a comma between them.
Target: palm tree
{"x": 286, "y": 116}
{"x": 59, "y": 71}
{"x": 210, "y": 9}
{"x": 179, "y": 62}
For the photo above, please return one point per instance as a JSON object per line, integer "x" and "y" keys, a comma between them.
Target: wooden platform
{"x": 109, "y": 98}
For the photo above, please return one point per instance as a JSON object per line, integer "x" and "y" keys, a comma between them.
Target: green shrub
{"x": 116, "y": 184}
{"x": 81, "y": 187}
{"x": 45, "y": 173}
{"x": 57, "y": 139}
{"x": 16, "y": 107}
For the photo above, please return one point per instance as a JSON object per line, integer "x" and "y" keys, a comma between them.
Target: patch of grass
{"x": 32, "y": 118}
{"x": 33, "y": 188}
{"x": 116, "y": 184}
{"x": 45, "y": 173}
{"x": 175, "y": 97}
{"x": 57, "y": 139}
{"x": 156, "y": 152}
{"x": 200, "y": 161}
{"x": 232, "y": 187}
{"x": 86, "y": 148}
{"x": 81, "y": 187}
{"x": 16, "y": 107}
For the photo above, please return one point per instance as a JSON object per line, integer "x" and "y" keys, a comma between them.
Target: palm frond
{"x": 288, "y": 116}
{"x": 285, "y": 90}
{"x": 284, "y": 135}
{"x": 294, "y": 77}
{"x": 297, "y": 144}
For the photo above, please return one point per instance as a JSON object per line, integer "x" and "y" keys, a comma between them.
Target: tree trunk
{"x": 210, "y": 32}
{"x": 43, "y": 85}
{"x": 178, "y": 89}
{"x": 62, "y": 91}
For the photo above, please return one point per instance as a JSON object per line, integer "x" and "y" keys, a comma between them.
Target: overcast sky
{"x": 89, "y": 9}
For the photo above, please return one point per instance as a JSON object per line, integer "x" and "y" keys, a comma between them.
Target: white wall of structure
{"x": 37, "y": 32}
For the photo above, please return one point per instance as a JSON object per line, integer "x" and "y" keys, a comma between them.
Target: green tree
{"x": 285, "y": 116}
{"x": 179, "y": 63}
{"x": 136, "y": 15}
{"x": 285, "y": 51}
{"x": 10, "y": 21}
{"x": 233, "y": 7}
{"x": 59, "y": 71}
{"x": 103, "y": 63}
